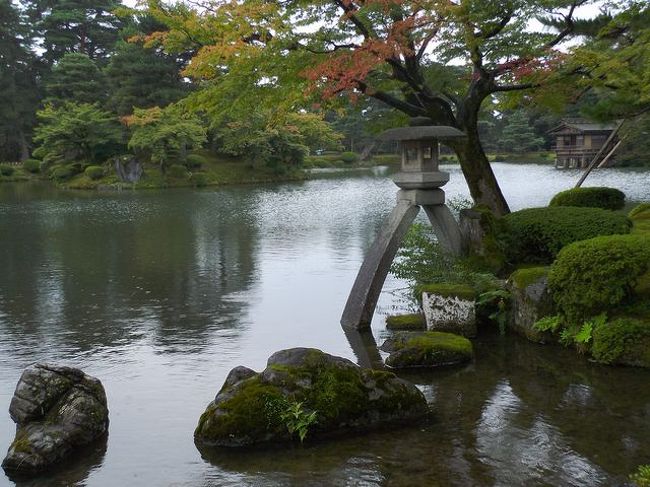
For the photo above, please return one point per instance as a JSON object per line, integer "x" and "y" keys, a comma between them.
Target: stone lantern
{"x": 419, "y": 180}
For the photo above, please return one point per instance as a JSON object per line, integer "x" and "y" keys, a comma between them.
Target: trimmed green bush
{"x": 606, "y": 198}
{"x": 32, "y": 166}
{"x": 94, "y": 172}
{"x": 624, "y": 341}
{"x": 640, "y": 212}
{"x": 62, "y": 173}
{"x": 536, "y": 235}
{"x": 199, "y": 179}
{"x": 6, "y": 169}
{"x": 349, "y": 157}
{"x": 177, "y": 171}
{"x": 592, "y": 276}
{"x": 195, "y": 161}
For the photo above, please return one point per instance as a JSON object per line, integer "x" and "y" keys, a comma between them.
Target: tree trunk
{"x": 482, "y": 183}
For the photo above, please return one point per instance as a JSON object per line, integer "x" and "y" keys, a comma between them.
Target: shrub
{"x": 195, "y": 161}
{"x": 640, "y": 212}
{"x": 536, "y": 235}
{"x": 94, "y": 172}
{"x": 641, "y": 478}
{"x": 6, "y": 170}
{"x": 622, "y": 341}
{"x": 62, "y": 173}
{"x": 349, "y": 157}
{"x": 606, "y": 198}
{"x": 177, "y": 171}
{"x": 32, "y": 166}
{"x": 199, "y": 179}
{"x": 593, "y": 275}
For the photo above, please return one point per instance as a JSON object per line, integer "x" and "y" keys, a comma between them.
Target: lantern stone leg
{"x": 366, "y": 289}
{"x": 446, "y": 228}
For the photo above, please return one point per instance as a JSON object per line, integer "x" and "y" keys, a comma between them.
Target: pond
{"x": 160, "y": 293}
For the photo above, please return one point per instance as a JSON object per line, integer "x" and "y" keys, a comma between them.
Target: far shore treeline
{"x": 90, "y": 87}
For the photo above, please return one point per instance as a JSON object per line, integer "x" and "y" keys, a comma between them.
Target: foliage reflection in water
{"x": 160, "y": 294}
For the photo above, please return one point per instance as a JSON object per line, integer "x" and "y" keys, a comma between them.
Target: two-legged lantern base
{"x": 370, "y": 280}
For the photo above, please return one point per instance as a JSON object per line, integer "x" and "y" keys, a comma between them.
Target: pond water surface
{"x": 160, "y": 293}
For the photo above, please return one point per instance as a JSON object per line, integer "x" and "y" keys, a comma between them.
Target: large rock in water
{"x": 56, "y": 410}
{"x": 305, "y": 392}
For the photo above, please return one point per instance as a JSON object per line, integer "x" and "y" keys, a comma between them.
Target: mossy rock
{"x": 57, "y": 410}
{"x": 427, "y": 349}
{"x": 304, "y": 393}
{"x": 414, "y": 321}
{"x": 624, "y": 341}
{"x": 445, "y": 289}
{"x": 530, "y": 301}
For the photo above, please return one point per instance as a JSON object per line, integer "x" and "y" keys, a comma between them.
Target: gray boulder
{"x": 530, "y": 302}
{"x": 56, "y": 410}
{"x": 304, "y": 392}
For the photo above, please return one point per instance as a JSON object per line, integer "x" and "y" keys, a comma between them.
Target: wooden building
{"x": 578, "y": 142}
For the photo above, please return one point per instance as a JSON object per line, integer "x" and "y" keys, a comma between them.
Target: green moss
{"x": 606, "y": 198}
{"x": 591, "y": 276}
{"x": 428, "y": 349}
{"x": 526, "y": 276}
{"x": 21, "y": 443}
{"x": 536, "y": 235}
{"x": 623, "y": 341}
{"x": 244, "y": 415}
{"x": 462, "y": 291}
{"x": 640, "y": 212}
{"x": 413, "y": 321}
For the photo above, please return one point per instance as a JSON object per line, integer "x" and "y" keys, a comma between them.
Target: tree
{"x": 82, "y": 26}
{"x": 77, "y": 132}
{"x": 19, "y": 93}
{"x": 276, "y": 142}
{"x": 164, "y": 135}
{"x": 75, "y": 77}
{"x": 394, "y": 51}
{"x": 142, "y": 77}
{"x": 613, "y": 65}
{"x": 518, "y": 136}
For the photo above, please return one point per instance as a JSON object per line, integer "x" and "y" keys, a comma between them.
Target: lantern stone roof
{"x": 424, "y": 132}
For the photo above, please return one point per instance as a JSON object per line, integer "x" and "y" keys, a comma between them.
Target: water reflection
{"x": 160, "y": 294}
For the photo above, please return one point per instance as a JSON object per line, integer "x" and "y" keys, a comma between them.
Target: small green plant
{"x": 549, "y": 323}
{"x": 94, "y": 172}
{"x": 32, "y": 166}
{"x": 6, "y": 170}
{"x": 195, "y": 161}
{"x": 641, "y": 478}
{"x": 177, "y": 171}
{"x": 349, "y": 157}
{"x": 498, "y": 302}
{"x": 640, "y": 211}
{"x": 292, "y": 415}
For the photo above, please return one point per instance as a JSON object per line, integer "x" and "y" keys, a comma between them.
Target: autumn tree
{"x": 396, "y": 51}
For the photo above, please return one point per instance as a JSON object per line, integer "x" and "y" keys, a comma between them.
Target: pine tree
{"x": 76, "y": 78}
{"x": 18, "y": 89}
{"x": 518, "y": 135}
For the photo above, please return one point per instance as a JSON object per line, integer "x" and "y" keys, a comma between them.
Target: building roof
{"x": 423, "y": 132}
{"x": 584, "y": 126}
